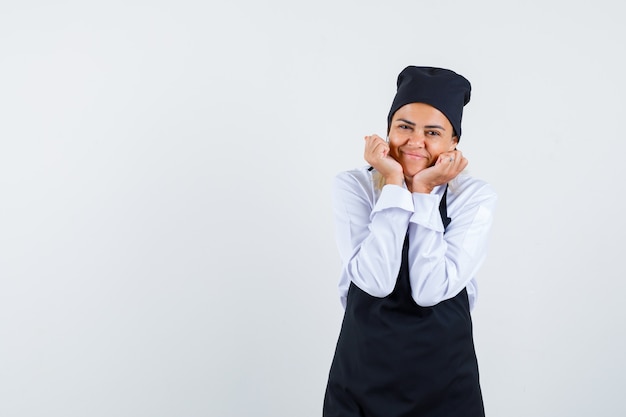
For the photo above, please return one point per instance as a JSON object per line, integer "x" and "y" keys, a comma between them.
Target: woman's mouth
{"x": 414, "y": 155}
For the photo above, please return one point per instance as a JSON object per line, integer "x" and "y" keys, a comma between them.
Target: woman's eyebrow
{"x": 434, "y": 127}
{"x": 408, "y": 122}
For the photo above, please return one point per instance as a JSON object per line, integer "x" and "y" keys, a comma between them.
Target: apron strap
{"x": 443, "y": 210}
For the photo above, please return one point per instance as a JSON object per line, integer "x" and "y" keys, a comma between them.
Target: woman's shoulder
{"x": 357, "y": 182}
{"x": 466, "y": 184}
{"x": 364, "y": 171}
{"x": 360, "y": 175}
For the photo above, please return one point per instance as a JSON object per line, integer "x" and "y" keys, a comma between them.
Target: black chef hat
{"x": 443, "y": 89}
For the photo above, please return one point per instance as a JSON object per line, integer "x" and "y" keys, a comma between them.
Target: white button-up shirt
{"x": 371, "y": 225}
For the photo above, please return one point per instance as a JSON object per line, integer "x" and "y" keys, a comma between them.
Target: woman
{"x": 412, "y": 232}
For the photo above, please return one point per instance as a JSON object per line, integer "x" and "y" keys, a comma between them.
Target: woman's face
{"x": 419, "y": 133}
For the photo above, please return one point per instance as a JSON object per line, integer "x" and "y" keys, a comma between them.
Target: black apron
{"x": 395, "y": 358}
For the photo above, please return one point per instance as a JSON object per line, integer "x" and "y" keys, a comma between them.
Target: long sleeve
{"x": 370, "y": 231}
{"x": 441, "y": 265}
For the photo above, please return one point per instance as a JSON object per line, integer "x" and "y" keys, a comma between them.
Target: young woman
{"x": 412, "y": 231}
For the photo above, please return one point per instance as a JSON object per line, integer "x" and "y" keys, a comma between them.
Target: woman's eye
{"x": 404, "y": 127}
{"x": 433, "y": 133}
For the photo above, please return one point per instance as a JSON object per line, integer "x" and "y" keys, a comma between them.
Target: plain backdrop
{"x": 166, "y": 236}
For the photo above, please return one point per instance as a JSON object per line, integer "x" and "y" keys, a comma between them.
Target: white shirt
{"x": 371, "y": 226}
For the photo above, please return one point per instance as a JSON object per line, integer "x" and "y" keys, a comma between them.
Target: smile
{"x": 414, "y": 155}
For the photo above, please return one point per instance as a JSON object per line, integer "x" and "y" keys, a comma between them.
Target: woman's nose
{"x": 417, "y": 138}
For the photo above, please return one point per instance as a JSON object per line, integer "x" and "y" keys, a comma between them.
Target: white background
{"x": 166, "y": 238}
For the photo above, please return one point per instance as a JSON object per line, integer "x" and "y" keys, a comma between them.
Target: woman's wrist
{"x": 394, "y": 179}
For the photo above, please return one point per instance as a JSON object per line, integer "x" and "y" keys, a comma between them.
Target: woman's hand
{"x": 446, "y": 168}
{"x": 377, "y": 155}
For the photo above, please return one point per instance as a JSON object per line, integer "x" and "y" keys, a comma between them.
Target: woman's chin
{"x": 411, "y": 171}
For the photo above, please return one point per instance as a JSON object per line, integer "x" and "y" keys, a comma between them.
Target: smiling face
{"x": 418, "y": 134}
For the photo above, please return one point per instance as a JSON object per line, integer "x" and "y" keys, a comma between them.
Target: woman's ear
{"x": 455, "y": 141}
